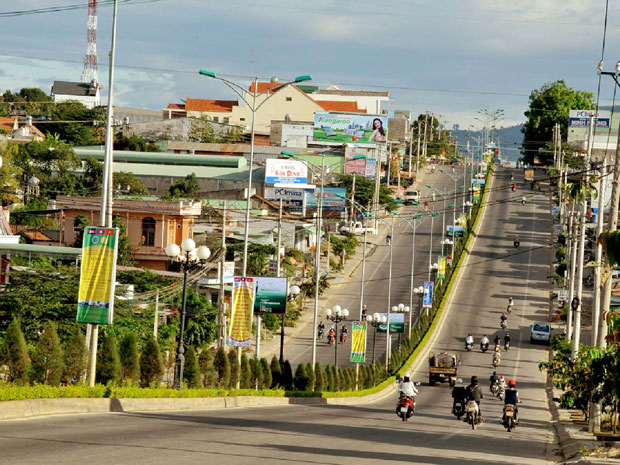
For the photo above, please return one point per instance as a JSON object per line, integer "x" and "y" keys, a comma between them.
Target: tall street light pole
{"x": 389, "y": 298}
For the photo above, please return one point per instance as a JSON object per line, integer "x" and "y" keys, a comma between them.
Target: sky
{"x": 450, "y": 57}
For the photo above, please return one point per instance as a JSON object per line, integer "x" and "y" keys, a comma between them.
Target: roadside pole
{"x": 389, "y": 300}
{"x": 156, "y": 323}
{"x": 573, "y": 265}
{"x": 278, "y": 275}
{"x": 599, "y": 254}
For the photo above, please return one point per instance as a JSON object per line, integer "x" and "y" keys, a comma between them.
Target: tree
{"x": 222, "y": 368}
{"x": 257, "y": 372}
{"x": 109, "y": 368}
{"x": 329, "y": 379}
{"x": 234, "y": 369}
{"x": 300, "y": 381}
{"x": 15, "y": 354}
{"x": 201, "y": 130}
{"x": 130, "y": 362}
{"x": 75, "y": 357}
{"x": 187, "y": 188}
{"x": 10, "y": 173}
{"x": 311, "y": 377}
{"x": 125, "y": 251}
{"x": 151, "y": 364}
{"x": 266, "y": 374}
{"x": 548, "y": 106}
{"x": 135, "y": 143}
{"x": 123, "y": 182}
{"x": 276, "y": 373}
{"x": 201, "y": 314}
{"x": 287, "y": 376}
{"x": 246, "y": 372}
{"x": 80, "y": 125}
{"x": 47, "y": 358}
{"x": 319, "y": 378}
{"x": 207, "y": 370}
{"x": 191, "y": 369}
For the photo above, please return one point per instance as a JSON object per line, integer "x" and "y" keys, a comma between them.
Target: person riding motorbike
{"x": 523, "y": 200}
{"x": 484, "y": 342}
{"x": 469, "y": 340}
{"x": 517, "y": 241}
{"x": 512, "y": 177}
{"x": 475, "y": 393}
{"x": 496, "y": 356}
{"x": 321, "y": 328}
{"x": 503, "y": 319}
{"x": 331, "y": 335}
{"x": 510, "y": 305}
{"x": 388, "y": 238}
{"x": 507, "y": 341}
{"x": 502, "y": 383}
{"x": 496, "y": 340}
{"x": 364, "y": 312}
{"x": 494, "y": 379}
{"x": 459, "y": 393}
{"x": 514, "y": 186}
{"x": 407, "y": 387}
{"x": 512, "y": 398}
{"x": 343, "y": 333}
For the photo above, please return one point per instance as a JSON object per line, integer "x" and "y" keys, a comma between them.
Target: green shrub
{"x": 130, "y": 361}
{"x": 108, "y": 361}
{"x": 233, "y": 361}
{"x": 276, "y": 372}
{"x": 221, "y": 364}
{"x": 151, "y": 364}
{"x": 191, "y": 369}
{"x": 207, "y": 370}
{"x": 311, "y": 376}
{"x": 47, "y": 358}
{"x": 329, "y": 379}
{"x": 15, "y": 354}
{"x": 257, "y": 373}
{"x": 287, "y": 376}
{"x": 319, "y": 378}
{"x": 266, "y": 374}
{"x": 300, "y": 381}
{"x": 246, "y": 372}
{"x": 75, "y": 357}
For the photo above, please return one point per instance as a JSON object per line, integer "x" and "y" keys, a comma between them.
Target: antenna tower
{"x": 90, "y": 61}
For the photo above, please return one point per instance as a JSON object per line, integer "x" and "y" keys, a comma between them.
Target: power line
{"x": 57, "y": 9}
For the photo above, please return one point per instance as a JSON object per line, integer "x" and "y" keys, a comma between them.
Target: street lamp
{"x": 337, "y": 315}
{"x": 419, "y": 291}
{"x": 293, "y": 292}
{"x": 190, "y": 257}
{"x": 405, "y": 309}
{"x": 375, "y": 320}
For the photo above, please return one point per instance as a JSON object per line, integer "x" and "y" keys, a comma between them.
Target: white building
{"x": 87, "y": 94}
{"x": 368, "y": 101}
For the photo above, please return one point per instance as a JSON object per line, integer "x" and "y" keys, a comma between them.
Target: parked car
{"x": 411, "y": 196}
{"x": 358, "y": 228}
{"x": 540, "y": 332}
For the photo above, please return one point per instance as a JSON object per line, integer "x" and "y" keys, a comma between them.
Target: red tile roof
{"x": 197, "y": 104}
{"x": 333, "y": 105}
{"x": 176, "y": 106}
{"x": 36, "y": 236}
{"x": 264, "y": 86}
{"x": 7, "y": 123}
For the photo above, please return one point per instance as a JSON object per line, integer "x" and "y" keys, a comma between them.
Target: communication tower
{"x": 90, "y": 61}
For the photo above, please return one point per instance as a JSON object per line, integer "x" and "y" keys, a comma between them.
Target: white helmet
{"x": 406, "y": 376}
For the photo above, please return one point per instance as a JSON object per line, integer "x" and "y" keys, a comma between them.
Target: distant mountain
{"x": 509, "y": 140}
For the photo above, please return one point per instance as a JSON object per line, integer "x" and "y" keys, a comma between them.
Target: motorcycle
{"x": 508, "y": 419}
{"x": 522, "y": 201}
{"x": 500, "y": 393}
{"x": 507, "y": 346}
{"x": 406, "y": 407}
{"x": 512, "y": 177}
{"x": 504, "y": 324}
{"x": 343, "y": 338}
{"x": 331, "y": 339}
{"x": 496, "y": 360}
{"x": 509, "y": 307}
{"x": 494, "y": 388}
{"x": 469, "y": 346}
{"x": 516, "y": 244}
{"x": 484, "y": 347}
{"x": 321, "y": 333}
{"x": 472, "y": 414}
{"x": 513, "y": 188}
{"x": 459, "y": 408}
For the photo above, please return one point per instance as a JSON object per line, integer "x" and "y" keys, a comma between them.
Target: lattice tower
{"x": 90, "y": 61}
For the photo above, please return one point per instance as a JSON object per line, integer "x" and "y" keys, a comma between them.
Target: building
{"x": 150, "y": 224}
{"x": 367, "y": 101}
{"x": 17, "y": 129}
{"x": 88, "y": 94}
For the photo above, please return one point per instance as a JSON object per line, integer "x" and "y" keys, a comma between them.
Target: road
{"x": 347, "y": 293}
{"x": 364, "y": 434}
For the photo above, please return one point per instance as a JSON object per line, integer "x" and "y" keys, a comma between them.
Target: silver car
{"x": 540, "y": 332}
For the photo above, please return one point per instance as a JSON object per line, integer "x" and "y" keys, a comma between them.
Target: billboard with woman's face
{"x": 350, "y": 128}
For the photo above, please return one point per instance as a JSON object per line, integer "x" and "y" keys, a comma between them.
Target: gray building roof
{"x": 80, "y": 89}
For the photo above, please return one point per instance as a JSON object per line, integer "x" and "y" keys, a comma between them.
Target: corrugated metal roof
{"x": 42, "y": 249}
{"x": 121, "y": 156}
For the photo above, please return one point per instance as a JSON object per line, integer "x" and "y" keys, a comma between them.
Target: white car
{"x": 540, "y": 332}
{"x": 411, "y": 196}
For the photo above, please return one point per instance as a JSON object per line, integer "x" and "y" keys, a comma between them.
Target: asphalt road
{"x": 364, "y": 434}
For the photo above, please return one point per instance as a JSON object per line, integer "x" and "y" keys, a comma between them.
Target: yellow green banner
{"x": 476, "y": 188}
{"x": 242, "y": 311}
{"x": 97, "y": 275}
{"x": 441, "y": 268}
{"x": 358, "y": 341}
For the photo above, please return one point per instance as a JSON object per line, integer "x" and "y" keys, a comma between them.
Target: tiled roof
{"x": 263, "y": 86}
{"x": 332, "y": 105}
{"x": 365, "y": 93}
{"x": 197, "y": 104}
{"x": 176, "y": 106}
{"x": 7, "y": 123}
{"x": 36, "y": 236}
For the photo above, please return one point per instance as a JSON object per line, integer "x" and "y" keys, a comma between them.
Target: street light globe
{"x": 375, "y": 316}
{"x": 338, "y": 310}
{"x": 401, "y": 307}
{"x": 345, "y": 313}
{"x": 407, "y": 309}
{"x": 394, "y": 308}
{"x": 328, "y": 312}
{"x": 294, "y": 290}
{"x": 383, "y": 319}
{"x": 368, "y": 318}
{"x": 203, "y": 252}
{"x": 173, "y": 250}
{"x": 188, "y": 244}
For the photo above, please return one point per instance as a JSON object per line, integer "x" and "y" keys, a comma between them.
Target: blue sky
{"x": 452, "y": 57}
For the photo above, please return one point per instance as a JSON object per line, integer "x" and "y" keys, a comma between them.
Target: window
{"x": 289, "y": 99}
{"x": 216, "y": 118}
{"x": 226, "y": 120}
{"x": 148, "y": 231}
{"x": 241, "y": 119}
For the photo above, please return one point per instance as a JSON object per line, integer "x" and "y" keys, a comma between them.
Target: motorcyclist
{"x": 406, "y": 387}
{"x": 496, "y": 356}
{"x": 388, "y": 238}
{"x": 502, "y": 383}
{"x": 364, "y": 312}
{"x": 484, "y": 342}
{"x": 331, "y": 334}
{"x": 321, "y": 329}
{"x": 510, "y": 304}
{"x": 512, "y": 177}
{"x": 475, "y": 393}
{"x": 523, "y": 200}
{"x": 343, "y": 333}
{"x": 459, "y": 393}
{"x": 497, "y": 340}
{"x": 493, "y": 380}
{"x": 517, "y": 241}
{"x": 512, "y": 397}
{"x": 507, "y": 341}
{"x": 469, "y": 340}
{"x": 503, "y": 318}
{"x": 514, "y": 186}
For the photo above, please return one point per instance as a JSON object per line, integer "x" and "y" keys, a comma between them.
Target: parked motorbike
{"x": 405, "y": 406}
{"x": 472, "y": 414}
{"x": 508, "y": 419}
{"x": 459, "y": 408}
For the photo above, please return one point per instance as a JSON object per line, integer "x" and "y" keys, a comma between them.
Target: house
{"x": 368, "y": 101}
{"x": 18, "y": 129}
{"x": 88, "y": 94}
{"x": 151, "y": 224}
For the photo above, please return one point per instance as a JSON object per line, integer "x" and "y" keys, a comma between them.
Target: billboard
{"x": 285, "y": 171}
{"x": 358, "y": 341}
{"x": 240, "y": 330}
{"x": 270, "y": 295}
{"x": 581, "y": 118}
{"x": 441, "y": 270}
{"x": 350, "y": 128}
{"x": 331, "y": 199}
{"x": 293, "y": 199}
{"x": 427, "y": 301}
{"x": 97, "y": 275}
{"x": 397, "y": 323}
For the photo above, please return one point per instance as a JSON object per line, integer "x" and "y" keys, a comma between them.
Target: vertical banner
{"x": 427, "y": 302}
{"x": 241, "y": 313}
{"x": 441, "y": 269}
{"x": 463, "y": 220}
{"x": 97, "y": 275}
{"x": 476, "y": 188}
{"x": 358, "y": 341}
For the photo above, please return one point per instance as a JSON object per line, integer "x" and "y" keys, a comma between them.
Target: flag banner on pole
{"x": 241, "y": 314}
{"x": 97, "y": 275}
{"x": 441, "y": 268}
{"x": 427, "y": 302}
{"x": 463, "y": 220}
{"x": 358, "y": 341}
{"x": 476, "y": 192}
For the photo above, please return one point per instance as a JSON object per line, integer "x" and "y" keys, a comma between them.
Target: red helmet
{"x": 512, "y": 383}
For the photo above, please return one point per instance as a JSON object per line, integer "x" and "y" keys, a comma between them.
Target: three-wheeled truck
{"x": 442, "y": 367}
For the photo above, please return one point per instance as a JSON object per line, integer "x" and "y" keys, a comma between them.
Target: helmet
{"x": 474, "y": 380}
{"x": 501, "y": 377}
{"x": 459, "y": 381}
{"x": 406, "y": 377}
{"x": 503, "y": 313}
{"x": 512, "y": 383}
{"x": 494, "y": 373}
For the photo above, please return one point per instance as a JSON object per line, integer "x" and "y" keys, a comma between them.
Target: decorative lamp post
{"x": 419, "y": 291}
{"x": 375, "y": 320}
{"x": 405, "y": 309}
{"x": 190, "y": 257}
{"x": 337, "y": 315}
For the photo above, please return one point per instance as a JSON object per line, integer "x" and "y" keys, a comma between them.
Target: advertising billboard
{"x": 397, "y": 323}
{"x": 350, "y": 128}
{"x": 285, "y": 171}
{"x": 270, "y": 295}
{"x": 427, "y": 301}
{"x": 332, "y": 200}
{"x": 240, "y": 329}
{"x": 358, "y": 341}
{"x": 581, "y": 118}
{"x": 441, "y": 269}
{"x": 97, "y": 275}
{"x": 293, "y": 199}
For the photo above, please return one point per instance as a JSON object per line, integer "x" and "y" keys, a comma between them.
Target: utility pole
{"x": 410, "y": 151}
{"x": 573, "y": 264}
{"x": 417, "y": 162}
{"x": 221, "y": 328}
{"x": 352, "y": 220}
{"x": 156, "y": 323}
{"x": 278, "y": 268}
{"x": 599, "y": 253}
